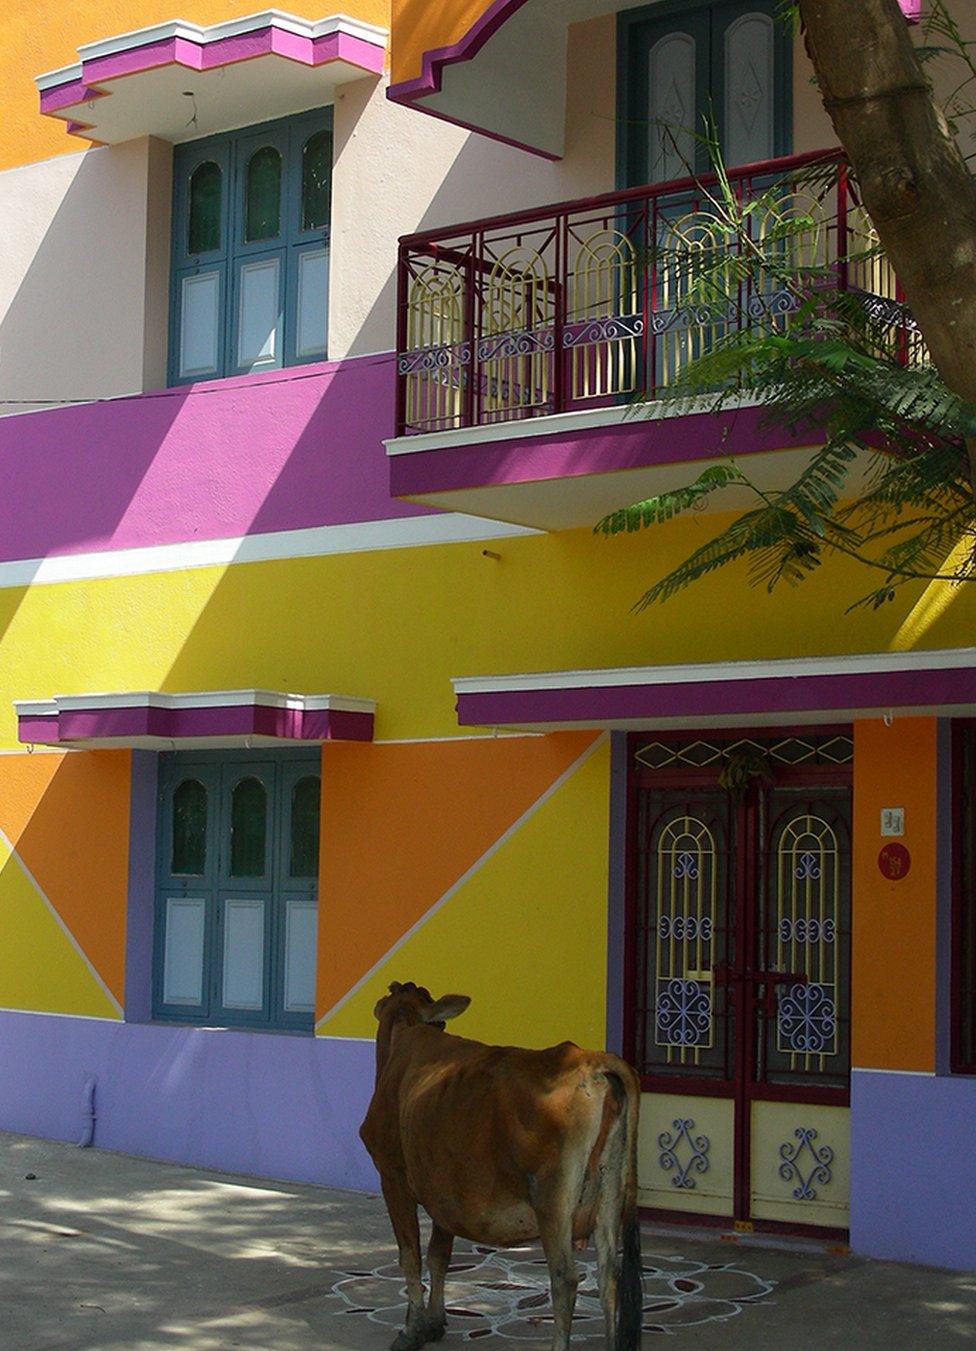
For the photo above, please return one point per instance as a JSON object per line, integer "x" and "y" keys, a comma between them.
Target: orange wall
{"x": 36, "y": 38}
{"x": 894, "y": 923}
{"x": 418, "y": 27}
{"x": 67, "y": 819}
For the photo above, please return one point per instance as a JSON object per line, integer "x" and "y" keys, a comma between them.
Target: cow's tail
{"x": 623, "y": 1182}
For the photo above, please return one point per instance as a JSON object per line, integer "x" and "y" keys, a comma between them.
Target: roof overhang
{"x": 726, "y": 694}
{"x": 179, "y": 81}
{"x": 217, "y": 718}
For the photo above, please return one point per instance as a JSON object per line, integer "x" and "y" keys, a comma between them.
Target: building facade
{"x": 314, "y": 675}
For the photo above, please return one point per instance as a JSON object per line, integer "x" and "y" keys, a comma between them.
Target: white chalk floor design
{"x": 505, "y": 1293}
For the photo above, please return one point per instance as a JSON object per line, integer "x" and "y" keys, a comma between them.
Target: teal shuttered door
{"x": 236, "y": 902}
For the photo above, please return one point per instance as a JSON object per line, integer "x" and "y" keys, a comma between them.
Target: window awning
{"x": 179, "y": 81}
{"x": 798, "y": 690}
{"x": 216, "y": 718}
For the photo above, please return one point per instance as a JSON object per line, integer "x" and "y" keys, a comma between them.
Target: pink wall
{"x": 283, "y": 450}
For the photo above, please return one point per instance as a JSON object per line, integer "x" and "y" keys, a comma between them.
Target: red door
{"x": 739, "y": 974}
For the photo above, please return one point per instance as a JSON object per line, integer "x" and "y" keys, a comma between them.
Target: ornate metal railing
{"x": 587, "y": 304}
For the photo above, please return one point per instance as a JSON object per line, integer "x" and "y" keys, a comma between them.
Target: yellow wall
{"x": 396, "y": 625}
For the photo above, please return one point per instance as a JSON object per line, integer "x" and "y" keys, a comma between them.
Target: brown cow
{"x": 502, "y": 1146}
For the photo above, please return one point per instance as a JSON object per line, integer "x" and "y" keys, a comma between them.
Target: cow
{"x": 502, "y": 1146}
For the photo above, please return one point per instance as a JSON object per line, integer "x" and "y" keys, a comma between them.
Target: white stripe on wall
{"x": 361, "y": 536}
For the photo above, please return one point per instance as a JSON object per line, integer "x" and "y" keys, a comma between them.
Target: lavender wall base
{"x": 913, "y": 1168}
{"x": 250, "y": 1102}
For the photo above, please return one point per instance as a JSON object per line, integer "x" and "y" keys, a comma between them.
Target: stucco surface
{"x": 84, "y": 274}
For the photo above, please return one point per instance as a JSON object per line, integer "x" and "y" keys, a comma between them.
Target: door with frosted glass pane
{"x": 740, "y": 975}
{"x": 728, "y": 63}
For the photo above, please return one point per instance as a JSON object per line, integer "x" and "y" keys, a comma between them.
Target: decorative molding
{"x": 149, "y": 719}
{"x": 675, "y": 1146}
{"x": 178, "y": 42}
{"x": 817, "y": 1168}
{"x": 854, "y": 685}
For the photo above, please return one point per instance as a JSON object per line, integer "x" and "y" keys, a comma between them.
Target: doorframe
{"x": 738, "y": 1091}
{"x": 630, "y": 19}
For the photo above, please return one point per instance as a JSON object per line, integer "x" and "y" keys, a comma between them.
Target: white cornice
{"x": 191, "y": 32}
{"x": 786, "y": 668}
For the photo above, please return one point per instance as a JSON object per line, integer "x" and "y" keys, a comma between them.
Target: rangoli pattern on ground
{"x": 506, "y": 1294}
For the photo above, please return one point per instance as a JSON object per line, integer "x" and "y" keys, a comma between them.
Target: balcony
{"x": 524, "y": 341}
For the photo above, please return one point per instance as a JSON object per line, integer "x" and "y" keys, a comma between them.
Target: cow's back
{"x": 471, "y": 1126}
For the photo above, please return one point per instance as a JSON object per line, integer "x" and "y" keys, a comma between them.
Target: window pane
{"x": 258, "y": 313}
{"x": 189, "y": 853}
{"x": 203, "y": 231}
{"x": 199, "y": 334}
{"x": 243, "y": 975}
{"x": 300, "y": 936}
{"x": 248, "y": 829}
{"x": 316, "y": 181}
{"x": 313, "y": 301}
{"x": 186, "y": 919}
{"x": 305, "y": 828}
{"x": 263, "y": 196}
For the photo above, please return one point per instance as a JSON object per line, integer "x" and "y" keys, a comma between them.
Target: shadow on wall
{"x": 426, "y": 174}
{"x": 87, "y": 241}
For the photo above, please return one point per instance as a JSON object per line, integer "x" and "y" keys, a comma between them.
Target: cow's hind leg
{"x": 438, "y": 1260}
{"x": 554, "y": 1210}
{"x": 403, "y": 1216}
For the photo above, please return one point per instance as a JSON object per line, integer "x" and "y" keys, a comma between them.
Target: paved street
{"x": 105, "y": 1251}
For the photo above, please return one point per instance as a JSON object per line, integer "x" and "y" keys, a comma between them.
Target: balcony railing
{"x": 587, "y": 304}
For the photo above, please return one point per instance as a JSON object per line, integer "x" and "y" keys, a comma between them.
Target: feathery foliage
{"x": 891, "y": 484}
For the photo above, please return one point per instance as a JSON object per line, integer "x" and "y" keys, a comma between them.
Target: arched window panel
{"x": 683, "y": 885}
{"x": 672, "y": 110}
{"x": 188, "y": 854}
{"x": 316, "y": 181}
{"x": 304, "y": 844}
{"x": 750, "y": 89}
{"x": 262, "y": 195}
{"x": 248, "y": 829}
{"x": 205, "y": 195}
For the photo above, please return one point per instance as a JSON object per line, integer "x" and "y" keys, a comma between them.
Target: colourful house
{"x": 313, "y": 674}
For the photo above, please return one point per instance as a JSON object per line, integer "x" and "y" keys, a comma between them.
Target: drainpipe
{"x": 87, "y": 1113}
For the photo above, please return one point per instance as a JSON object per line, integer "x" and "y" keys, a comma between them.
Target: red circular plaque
{"x": 894, "y": 862}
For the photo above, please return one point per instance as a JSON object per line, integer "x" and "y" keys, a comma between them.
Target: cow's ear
{"x": 448, "y": 1006}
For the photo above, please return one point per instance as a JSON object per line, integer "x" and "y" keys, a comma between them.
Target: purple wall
{"x": 913, "y": 1168}
{"x": 249, "y": 1102}
{"x": 283, "y": 450}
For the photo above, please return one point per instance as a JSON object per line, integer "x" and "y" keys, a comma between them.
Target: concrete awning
{"x": 216, "y": 718}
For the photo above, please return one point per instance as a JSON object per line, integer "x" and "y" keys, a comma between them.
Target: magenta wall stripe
{"x": 596, "y": 706}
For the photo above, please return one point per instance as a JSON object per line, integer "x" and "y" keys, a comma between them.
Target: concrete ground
{"x": 105, "y": 1251}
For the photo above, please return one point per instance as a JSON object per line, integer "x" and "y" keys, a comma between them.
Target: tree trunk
{"x": 912, "y": 175}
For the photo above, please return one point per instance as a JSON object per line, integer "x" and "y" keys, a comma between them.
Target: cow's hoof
{"x": 412, "y": 1339}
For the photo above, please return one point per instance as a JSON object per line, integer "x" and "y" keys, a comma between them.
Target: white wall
{"x": 399, "y": 170}
{"x": 84, "y": 274}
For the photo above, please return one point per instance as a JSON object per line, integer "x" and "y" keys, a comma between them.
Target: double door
{"x": 724, "y": 64}
{"x": 740, "y": 978}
